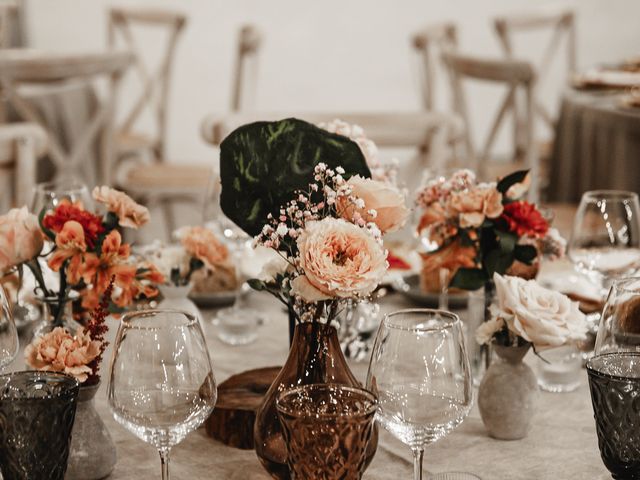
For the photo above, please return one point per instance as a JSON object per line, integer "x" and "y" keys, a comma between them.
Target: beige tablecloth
{"x": 562, "y": 444}
{"x": 597, "y": 146}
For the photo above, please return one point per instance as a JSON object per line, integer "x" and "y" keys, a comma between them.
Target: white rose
{"x": 543, "y": 317}
{"x": 274, "y": 267}
{"x": 485, "y": 332}
{"x": 171, "y": 258}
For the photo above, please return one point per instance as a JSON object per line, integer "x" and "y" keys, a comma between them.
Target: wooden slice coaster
{"x": 238, "y": 400}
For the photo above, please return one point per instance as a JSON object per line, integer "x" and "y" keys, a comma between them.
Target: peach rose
{"x": 20, "y": 238}
{"x": 202, "y": 243}
{"x": 339, "y": 259}
{"x": 385, "y": 199}
{"x": 543, "y": 317}
{"x": 58, "y": 351}
{"x": 474, "y": 205}
{"x": 451, "y": 258}
{"x": 130, "y": 214}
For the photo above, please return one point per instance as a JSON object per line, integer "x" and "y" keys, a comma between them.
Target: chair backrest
{"x": 516, "y": 76}
{"x": 24, "y": 66}
{"x": 9, "y": 23}
{"x": 559, "y": 22}
{"x": 20, "y": 146}
{"x": 429, "y": 43}
{"x": 155, "y": 83}
{"x": 245, "y": 72}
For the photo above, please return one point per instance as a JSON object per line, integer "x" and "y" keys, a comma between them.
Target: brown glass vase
{"x": 315, "y": 357}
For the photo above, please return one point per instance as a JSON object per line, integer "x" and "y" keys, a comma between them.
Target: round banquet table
{"x": 597, "y": 145}
{"x": 562, "y": 443}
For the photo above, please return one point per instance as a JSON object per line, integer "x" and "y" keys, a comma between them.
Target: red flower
{"x": 66, "y": 211}
{"x": 523, "y": 218}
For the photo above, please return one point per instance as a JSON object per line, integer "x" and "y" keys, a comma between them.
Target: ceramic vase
{"x": 92, "y": 454}
{"x": 507, "y": 394}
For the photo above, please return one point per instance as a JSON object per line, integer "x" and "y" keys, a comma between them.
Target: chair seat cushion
{"x": 162, "y": 178}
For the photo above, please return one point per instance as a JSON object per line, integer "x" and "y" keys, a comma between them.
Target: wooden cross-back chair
{"x": 428, "y": 44}
{"x": 22, "y": 67}
{"x": 155, "y": 83}
{"x": 20, "y": 146}
{"x": 9, "y": 22}
{"x": 244, "y": 72}
{"x": 560, "y": 23}
{"x": 517, "y": 77}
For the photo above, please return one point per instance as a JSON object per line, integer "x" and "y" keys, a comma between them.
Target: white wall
{"x": 328, "y": 55}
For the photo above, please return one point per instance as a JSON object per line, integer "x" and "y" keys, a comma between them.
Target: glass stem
{"x": 238, "y": 302}
{"x": 443, "y": 298}
{"x": 418, "y": 453}
{"x": 164, "y": 462}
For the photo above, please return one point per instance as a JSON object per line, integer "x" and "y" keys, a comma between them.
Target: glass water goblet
{"x": 8, "y": 331}
{"x": 605, "y": 240}
{"x": 327, "y": 428}
{"x": 161, "y": 383}
{"x": 614, "y": 380}
{"x": 48, "y": 195}
{"x": 420, "y": 372}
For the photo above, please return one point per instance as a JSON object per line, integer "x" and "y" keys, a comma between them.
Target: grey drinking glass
{"x": 161, "y": 383}
{"x": 37, "y": 411}
{"x": 8, "y": 332}
{"x": 420, "y": 373}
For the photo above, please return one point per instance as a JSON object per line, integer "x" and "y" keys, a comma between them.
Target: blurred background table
{"x": 562, "y": 443}
{"x": 597, "y": 145}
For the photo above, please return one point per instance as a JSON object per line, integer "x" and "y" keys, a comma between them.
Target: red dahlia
{"x": 523, "y": 218}
{"x": 91, "y": 224}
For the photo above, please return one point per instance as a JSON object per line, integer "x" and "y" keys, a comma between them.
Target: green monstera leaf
{"x": 263, "y": 164}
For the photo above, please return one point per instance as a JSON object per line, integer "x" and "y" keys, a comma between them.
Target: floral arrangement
{"x": 478, "y": 229}
{"x": 86, "y": 251}
{"x": 316, "y": 206}
{"x": 199, "y": 248}
{"x": 525, "y": 313}
{"x": 77, "y": 355}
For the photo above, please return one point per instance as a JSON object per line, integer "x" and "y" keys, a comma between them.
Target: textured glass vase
{"x": 90, "y": 439}
{"x": 55, "y": 313}
{"x": 315, "y": 357}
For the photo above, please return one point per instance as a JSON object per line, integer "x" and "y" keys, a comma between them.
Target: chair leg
{"x": 169, "y": 217}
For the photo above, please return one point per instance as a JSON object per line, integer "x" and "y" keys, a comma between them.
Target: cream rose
{"x": 339, "y": 259}
{"x": 58, "y": 351}
{"x": 543, "y": 317}
{"x": 474, "y": 205}
{"x": 130, "y": 214}
{"x": 20, "y": 238}
{"x": 385, "y": 199}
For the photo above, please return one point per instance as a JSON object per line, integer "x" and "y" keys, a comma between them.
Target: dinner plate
{"x": 414, "y": 293}
{"x": 212, "y": 299}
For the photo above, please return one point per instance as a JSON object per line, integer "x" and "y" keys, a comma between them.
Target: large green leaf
{"x": 263, "y": 164}
{"x": 507, "y": 182}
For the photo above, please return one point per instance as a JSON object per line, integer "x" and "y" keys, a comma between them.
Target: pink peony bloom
{"x": 339, "y": 259}
{"x": 58, "y": 351}
{"x": 20, "y": 238}
{"x": 130, "y": 214}
{"x": 474, "y": 205}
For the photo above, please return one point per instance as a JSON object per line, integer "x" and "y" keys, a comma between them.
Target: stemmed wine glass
{"x": 237, "y": 324}
{"x": 49, "y": 194}
{"x": 8, "y": 332}
{"x": 614, "y": 379}
{"x": 605, "y": 240}
{"x": 420, "y": 372}
{"x": 161, "y": 384}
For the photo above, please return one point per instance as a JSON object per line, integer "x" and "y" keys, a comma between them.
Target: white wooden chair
{"x": 428, "y": 44}
{"x": 155, "y": 82}
{"x": 25, "y": 67}
{"x": 21, "y": 144}
{"x": 246, "y": 64}
{"x": 559, "y": 24}
{"x": 518, "y": 78}
{"x": 9, "y": 22}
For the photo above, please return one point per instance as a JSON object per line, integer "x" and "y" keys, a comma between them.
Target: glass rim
{"x": 592, "y": 371}
{"x": 127, "y": 319}
{"x": 72, "y": 384}
{"x": 619, "y": 284}
{"x": 327, "y": 386}
{"x": 453, "y": 318}
{"x": 597, "y": 195}
{"x": 67, "y": 185}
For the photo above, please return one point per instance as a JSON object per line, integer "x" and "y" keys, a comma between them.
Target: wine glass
{"x": 161, "y": 384}
{"x": 420, "y": 372}
{"x": 49, "y": 194}
{"x": 614, "y": 379}
{"x": 8, "y": 331}
{"x": 605, "y": 240}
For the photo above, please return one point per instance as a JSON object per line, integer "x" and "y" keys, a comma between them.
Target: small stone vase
{"x": 177, "y": 298}
{"x": 92, "y": 454}
{"x": 507, "y": 394}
